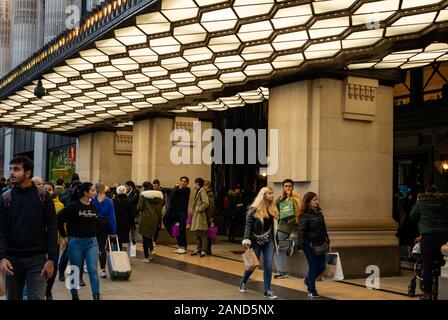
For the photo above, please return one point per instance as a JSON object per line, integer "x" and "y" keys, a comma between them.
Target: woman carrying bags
{"x": 312, "y": 237}
{"x": 150, "y": 215}
{"x": 261, "y": 228}
{"x": 81, "y": 219}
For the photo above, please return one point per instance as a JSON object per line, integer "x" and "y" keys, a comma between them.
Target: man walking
{"x": 28, "y": 234}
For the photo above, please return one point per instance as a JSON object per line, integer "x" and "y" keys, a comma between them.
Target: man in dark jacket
{"x": 236, "y": 212}
{"x": 28, "y": 234}
{"x": 177, "y": 211}
{"x": 431, "y": 214}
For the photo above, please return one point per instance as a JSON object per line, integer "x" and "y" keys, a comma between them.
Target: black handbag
{"x": 263, "y": 238}
{"x": 321, "y": 249}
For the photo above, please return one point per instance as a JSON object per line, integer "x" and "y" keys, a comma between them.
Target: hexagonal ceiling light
{"x": 135, "y": 57}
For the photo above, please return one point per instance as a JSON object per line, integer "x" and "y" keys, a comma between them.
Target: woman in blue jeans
{"x": 260, "y": 233}
{"x": 81, "y": 217}
{"x": 312, "y": 237}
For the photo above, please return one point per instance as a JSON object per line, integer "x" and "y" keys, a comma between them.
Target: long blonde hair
{"x": 101, "y": 188}
{"x": 262, "y": 211}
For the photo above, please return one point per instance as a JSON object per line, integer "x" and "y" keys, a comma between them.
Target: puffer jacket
{"x": 431, "y": 213}
{"x": 311, "y": 228}
{"x": 254, "y": 225}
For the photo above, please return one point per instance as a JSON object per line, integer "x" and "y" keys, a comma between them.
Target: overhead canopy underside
{"x": 134, "y": 58}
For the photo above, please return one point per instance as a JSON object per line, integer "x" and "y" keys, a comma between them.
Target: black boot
{"x": 96, "y": 297}
{"x": 75, "y": 297}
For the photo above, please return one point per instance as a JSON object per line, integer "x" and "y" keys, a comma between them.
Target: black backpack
{"x": 7, "y": 196}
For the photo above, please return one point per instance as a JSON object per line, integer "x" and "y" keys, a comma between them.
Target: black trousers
{"x": 147, "y": 246}
{"x": 26, "y": 272}
{"x": 432, "y": 257}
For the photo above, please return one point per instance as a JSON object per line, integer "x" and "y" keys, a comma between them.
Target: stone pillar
{"x": 335, "y": 139}
{"x": 98, "y": 160}
{"x": 55, "y": 18}
{"x": 40, "y": 155}
{"x": 9, "y": 150}
{"x": 5, "y": 36}
{"x": 151, "y": 154}
{"x": 24, "y": 32}
{"x": 443, "y": 279}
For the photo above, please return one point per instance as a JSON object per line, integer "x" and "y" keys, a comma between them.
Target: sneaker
{"x": 103, "y": 274}
{"x": 181, "y": 251}
{"x": 270, "y": 295}
{"x": 146, "y": 260}
{"x": 203, "y": 254}
{"x": 196, "y": 253}
{"x": 281, "y": 276}
{"x": 313, "y": 295}
{"x": 291, "y": 249}
{"x": 176, "y": 251}
{"x": 243, "y": 287}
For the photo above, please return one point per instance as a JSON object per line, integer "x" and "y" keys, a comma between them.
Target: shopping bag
{"x": 212, "y": 232}
{"x": 189, "y": 218}
{"x": 333, "y": 270}
{"x": 132, "y": 249}
{"x": 250, "y": 259}
{"x": 175, "y": 232}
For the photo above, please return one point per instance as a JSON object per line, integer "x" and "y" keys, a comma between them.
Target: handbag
{"x": 250, "y": 259}
{"x": 175, "y": 231}
{"x": 212, "y": 232}
{"x": 263, "y": 238}
{"x": 321, "y": 249}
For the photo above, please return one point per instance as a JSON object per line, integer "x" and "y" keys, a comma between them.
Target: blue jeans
{"x": 80, "y": 249}
{"x": 316, "y": 265}
{"x": 268, "y": 257}
{"x": 280, "y": 257}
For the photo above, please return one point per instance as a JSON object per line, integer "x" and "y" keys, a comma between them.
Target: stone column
{"x": 99, "y": 160}
{"x": 24, "y": 32}
{"x": 443, "y": 279}
{"x": 40, "y": 155}
{"x": 9, "y": 149}
{"x": 5, "y": 36}
{"x": 151, "y": 154}
{"x": 335, "y": 139}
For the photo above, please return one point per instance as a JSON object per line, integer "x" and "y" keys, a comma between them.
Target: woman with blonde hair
{"x": 107, "y": 222}
{"x": 288, "y": 205}
{"x": 260, "y": 233}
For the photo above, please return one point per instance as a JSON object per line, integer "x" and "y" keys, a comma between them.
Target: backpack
{"x": 7, "y": 196}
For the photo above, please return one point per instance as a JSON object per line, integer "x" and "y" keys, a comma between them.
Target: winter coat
{"x": 200, "y": 205}
{"x": 211, "y": 207}
{"x": 253, "y": 224}
{"x": 150, "y": 212}
{"x": 124, "y": 217}
{"x": 431, "y": 213}
{"x": 133, "y": 197}
{"x": 311, "y": 228}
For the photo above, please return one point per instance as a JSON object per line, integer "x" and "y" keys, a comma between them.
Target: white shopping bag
{"x": 333, "y": 271}
{"x": 132, "y": 250}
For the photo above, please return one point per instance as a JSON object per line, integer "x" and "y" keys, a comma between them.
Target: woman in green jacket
{"x": 150, "y": 214}
{"x": 199, "y": 222}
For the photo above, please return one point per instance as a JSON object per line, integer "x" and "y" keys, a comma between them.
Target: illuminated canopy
{"x": 132, "y": 58}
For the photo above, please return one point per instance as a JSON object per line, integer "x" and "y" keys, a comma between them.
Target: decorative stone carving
{"x": 359, "y": 99}
{"x": 123, "y": 142}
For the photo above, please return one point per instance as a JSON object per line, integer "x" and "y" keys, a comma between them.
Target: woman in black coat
{"x": 313, "y": 239}
{"x": 124, "y": 216}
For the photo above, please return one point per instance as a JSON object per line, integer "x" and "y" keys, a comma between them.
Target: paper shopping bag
{"x": 250, "y": 259}
{"x": 333, "y": 270}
